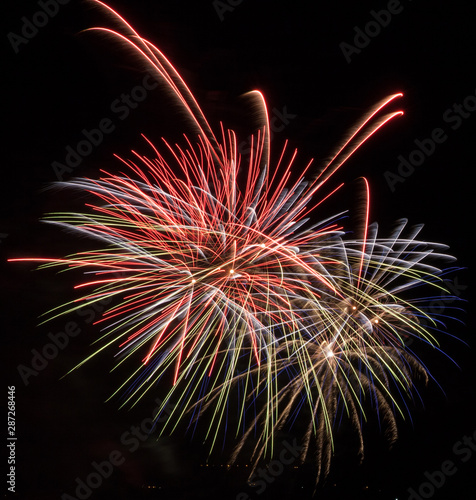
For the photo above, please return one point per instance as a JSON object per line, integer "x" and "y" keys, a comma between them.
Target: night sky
{"x": 60, "y": 81}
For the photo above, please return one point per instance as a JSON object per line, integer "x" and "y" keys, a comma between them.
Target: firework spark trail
{"x": 220, "y": 281}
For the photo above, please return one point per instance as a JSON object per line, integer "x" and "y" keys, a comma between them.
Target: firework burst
{"x": 353, "y": 353}
{"x": 219, "y": 279}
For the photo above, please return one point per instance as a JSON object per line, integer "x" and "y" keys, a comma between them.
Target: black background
{"x": 63, "y": 81}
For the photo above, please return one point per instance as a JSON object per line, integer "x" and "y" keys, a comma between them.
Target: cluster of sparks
{"x": 224, "y": 290}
